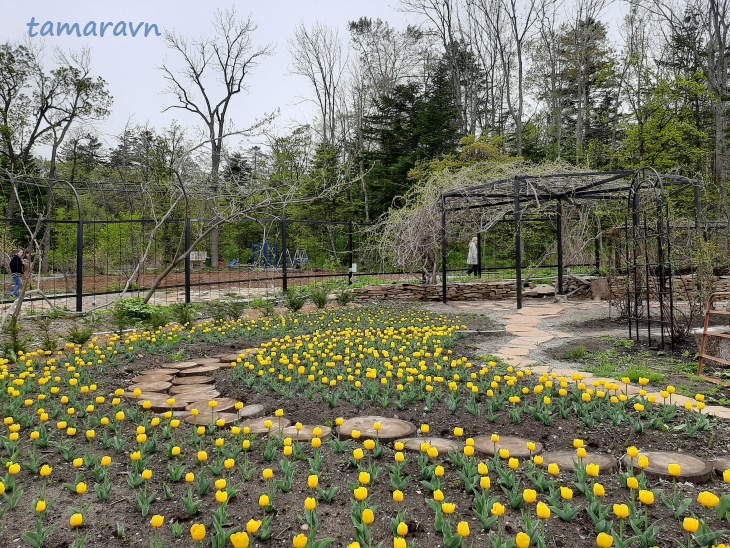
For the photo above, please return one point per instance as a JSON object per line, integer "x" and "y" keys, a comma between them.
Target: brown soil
{"x": 103, "y": 519}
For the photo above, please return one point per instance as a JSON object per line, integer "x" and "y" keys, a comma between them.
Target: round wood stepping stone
{"x": 305, "y": 434}
{"x": 720, "y": 465}
{"x": 517, "y": 447}
{"x": 196, "y": 379}
{"x": 565, "y": 460}
{"x": 181, "y": 365}
{"x": 206, "y": 418}
{"x": 199, "y": 370}
{"x": 154, "y": 386}
{"x": 192, "y": 397}
{"x": 163, "y": 370}
{"x": 257, "y": 425}
{"x": 209, "y": 361}
{"x": 443, "y": 445}
{"x": 205, "y": 391}
{"x": 392, "y": 428}
{"x": 224, "y": 404}
{"x": 228, "y": 358}
{"x": 252, "y": 411}
{"x": 152, "y": 377}
{"x": 693, "y": 468}
{"x": 160, "y": 405}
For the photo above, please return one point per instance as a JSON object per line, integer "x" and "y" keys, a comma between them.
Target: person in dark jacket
{"x": 17, "y": 270}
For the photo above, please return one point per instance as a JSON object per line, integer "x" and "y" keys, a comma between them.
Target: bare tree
{"x": 713, "y": 53}
{"x": 213, "y": 73}
{"x": 508, "y": 14}
{"x": 317, "y": 54}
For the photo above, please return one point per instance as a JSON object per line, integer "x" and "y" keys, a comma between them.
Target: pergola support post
{"x": 518, "y": 243}
{"x": 560, "y": 245}
{"x": 443, "y": 250}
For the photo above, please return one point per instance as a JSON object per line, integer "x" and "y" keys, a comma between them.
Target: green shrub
{"x": 344, "y": 296}
{"x": 264, "y": 305}
{"x": 319, "y": 295}
{"x": 13, "y": 342}
{"x": 49, "y": 340}
{"x": 79, "y": 335}
{"x": 183, "y": 313}
{"x": 136, "y": 308}
{"x": 295, "y": 300}
{"x": 216, "y": 310}
{"x": 158, "y": 317}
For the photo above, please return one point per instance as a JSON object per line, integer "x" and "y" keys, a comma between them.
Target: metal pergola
{"x": 524, "y": 194}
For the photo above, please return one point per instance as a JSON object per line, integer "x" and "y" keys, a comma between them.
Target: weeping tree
{"x": 409, "y": 238}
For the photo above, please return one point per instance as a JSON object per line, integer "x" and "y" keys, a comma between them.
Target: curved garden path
{"x": 529, "y": 328}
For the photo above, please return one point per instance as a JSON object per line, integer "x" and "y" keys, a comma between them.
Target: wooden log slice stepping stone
{"x": 163, "y": 370}
{"x": 565, "y": 460}
{"x": 443, "y": 445}
{"x": 153, "y": 386}
{"x": 392, "y": 428}
{"x": 517, "y": 447}
{"x": 199, "y": 370}
{"x": 693, "y": 468}
{"x": 210, "y": 361}
{"x": 257, "y": 425}
{"x": 191, "y": 397}
{"x": 181, "y": 365}
{"x": 305, "y": 434}
{"x": 206, "y": 418}
{"x": 197, "y": 379}
{"x": 720, "y": 465}
{"x": 151, "y": 377}
{"x": 160, "y": 405}
{"x": 224, "y": 404}
{"x": 252, "y": 411}
{"x": 228, "y": 358}
{"x": 206, "y": 391}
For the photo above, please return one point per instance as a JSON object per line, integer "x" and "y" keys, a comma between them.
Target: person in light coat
{"x": 472, "y": 259}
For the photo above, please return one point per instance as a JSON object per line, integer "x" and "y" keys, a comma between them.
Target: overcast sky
{"x": 130, "y": 65}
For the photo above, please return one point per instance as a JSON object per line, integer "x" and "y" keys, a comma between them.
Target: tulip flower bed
{"x": 90, "y": 464}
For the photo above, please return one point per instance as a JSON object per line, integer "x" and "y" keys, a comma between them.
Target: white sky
{"x": 129, "y": 65}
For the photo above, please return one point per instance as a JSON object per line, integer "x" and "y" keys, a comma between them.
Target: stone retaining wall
{"x": 457, "y": 291}
{"x": 577, "y": 287}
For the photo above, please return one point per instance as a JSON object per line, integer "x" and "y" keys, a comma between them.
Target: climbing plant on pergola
{"x": 640, "y": 191}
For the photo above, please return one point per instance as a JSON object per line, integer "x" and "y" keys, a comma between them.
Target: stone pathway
{"x": 526, "y": 333}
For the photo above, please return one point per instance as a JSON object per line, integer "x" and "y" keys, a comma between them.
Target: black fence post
{"x": 479, "y": 254}
{"x": 443, "y": 249}
{"x": 284, "y": 281}
{"x": 80, "y": 263}
{"x": 518, "y": 243}
{"x": 597, "y": 249}
{"x": 560, "y": 245}
{"x": 352, "y": 253}
{"x": 187, "y": 259}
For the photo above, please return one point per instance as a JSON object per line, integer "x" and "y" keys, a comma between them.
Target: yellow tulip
{"x": 604, "y": 541}
{"x": 621, "y": 511}
{"x": 240, "y": 540}
{"x": 691, "y": 525}
{"x": 197, "y": 532}
{"x": 708, "y": 500}
{"x": 77, "y": 520}
{"x": 646, "y": 497}
{"x": 523, "y": 540}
